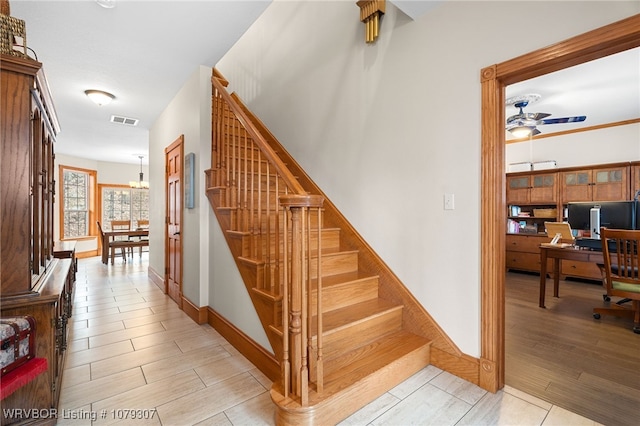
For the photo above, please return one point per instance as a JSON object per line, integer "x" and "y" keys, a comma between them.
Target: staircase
{"x": 343, "y": 327}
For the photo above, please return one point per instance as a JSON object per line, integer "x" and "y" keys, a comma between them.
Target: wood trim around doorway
{"x": 604, "y": 41}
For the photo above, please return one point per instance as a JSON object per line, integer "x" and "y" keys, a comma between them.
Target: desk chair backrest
{"x": 100, "y": 229}
{"x": 143, "y": 223}
{"x": 620, "y": 249}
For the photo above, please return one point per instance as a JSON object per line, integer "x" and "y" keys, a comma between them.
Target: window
{"x": 124, "y": 203}
{"x": 76, "y": 202}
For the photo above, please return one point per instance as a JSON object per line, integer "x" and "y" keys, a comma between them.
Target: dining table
{"x": 109, "y": 236}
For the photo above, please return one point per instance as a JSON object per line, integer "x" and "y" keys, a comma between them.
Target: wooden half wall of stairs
{"x": 291, "y": 244}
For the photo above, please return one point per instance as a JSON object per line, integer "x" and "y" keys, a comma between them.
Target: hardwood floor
{"x": 562, "y": 355}
{"x": 133, "y": 352}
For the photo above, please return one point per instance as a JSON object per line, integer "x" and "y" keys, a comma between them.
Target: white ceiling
{"x": 140, "y": 51}
{"x": 606, "y": 90}
{"x": 144, "y": 51}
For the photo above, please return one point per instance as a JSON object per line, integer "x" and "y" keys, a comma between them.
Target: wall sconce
{"x": 370, "y": 12}
{"x": 99, "y": 97}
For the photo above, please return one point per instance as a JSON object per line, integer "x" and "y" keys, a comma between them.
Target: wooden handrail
{"x": 258, "y": 139}
{"x": 274, "y": 215}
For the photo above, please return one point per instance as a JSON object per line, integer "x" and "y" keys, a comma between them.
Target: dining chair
{"x": 122, "y": 225}
{"x": 112, "y": 245}
{"x": 143, "y": 224}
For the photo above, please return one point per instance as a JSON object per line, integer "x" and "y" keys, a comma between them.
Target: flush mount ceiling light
{"x": 99, "y": 97}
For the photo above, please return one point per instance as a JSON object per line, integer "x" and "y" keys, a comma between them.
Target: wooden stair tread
{"x": 327, "y": 282}
{"x": 325, "y": 252}
{"x": 367, "y": 373}
{"x": 365, "y": 360}
{"x": 337, "y": 319}
{"x": 341, "y": 279}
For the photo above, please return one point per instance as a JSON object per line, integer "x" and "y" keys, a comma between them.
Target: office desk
{"x": 557, "y": 253}
{"x": 108, "y": 235}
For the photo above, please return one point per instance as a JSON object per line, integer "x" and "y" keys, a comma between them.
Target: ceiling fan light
{"x": 521, "y": 131}
{"x": 99, "y": 97}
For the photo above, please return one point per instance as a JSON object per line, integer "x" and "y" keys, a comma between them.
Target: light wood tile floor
{"x": 133, "y": 352}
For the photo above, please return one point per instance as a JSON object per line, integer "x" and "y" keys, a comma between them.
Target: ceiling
{"x": 140, "y": 51}
{"x": 606, "y": 90}
{"x": 144, "y": 51}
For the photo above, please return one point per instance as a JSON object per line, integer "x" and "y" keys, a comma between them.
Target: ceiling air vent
{"x": 124, "y": 120}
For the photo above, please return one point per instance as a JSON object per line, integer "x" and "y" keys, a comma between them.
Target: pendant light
{"x": 140, "y": 183}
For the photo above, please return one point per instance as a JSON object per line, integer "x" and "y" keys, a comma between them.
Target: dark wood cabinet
{"x": 36, "y": 280}
{"x": 29, "y": 127}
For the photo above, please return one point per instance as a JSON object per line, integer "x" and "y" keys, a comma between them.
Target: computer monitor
{"x": 611, "y": 214}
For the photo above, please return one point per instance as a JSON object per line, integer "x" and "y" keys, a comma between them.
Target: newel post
{"x": 296, "y": 293}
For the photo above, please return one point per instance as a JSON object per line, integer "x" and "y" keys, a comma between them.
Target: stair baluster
{"x": 297, "y": 312}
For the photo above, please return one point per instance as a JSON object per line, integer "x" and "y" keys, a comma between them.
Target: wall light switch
{"x": 448, "y": 202}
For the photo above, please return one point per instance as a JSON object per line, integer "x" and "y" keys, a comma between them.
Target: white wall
{"x": 181, "y": 117}
{"x": 210, "y": 276}
{"x": 610, "y": 145}
{"x": 387, "y": 129}
{"x": 107, "y": 173}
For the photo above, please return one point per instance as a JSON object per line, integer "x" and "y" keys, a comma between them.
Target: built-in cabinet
{"x": 523, "y": 252}
{"x": 539, "y": 196}
{"x": 532, "y": 189}
{"x": 37, "y": 279}
{"x": 532, "y": 200}
{"x": 609, "y": 183}
{"x": 635, "y": 178}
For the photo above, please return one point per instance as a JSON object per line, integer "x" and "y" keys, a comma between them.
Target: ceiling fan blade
{"x": 563, "y": 120}
{"x": 537, "y": 115}
{"x": 528, "y": 117}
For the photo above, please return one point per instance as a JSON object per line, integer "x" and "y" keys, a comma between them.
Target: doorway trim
{"x": 604, "y": 41}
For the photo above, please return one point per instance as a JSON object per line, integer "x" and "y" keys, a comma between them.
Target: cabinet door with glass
{"x": 518, "y": 189}
{"x": 544, "y": 189}
{"x": 611, "y": 184}
{"x": 598, "y": 184}
{"x": 576, "y": 186}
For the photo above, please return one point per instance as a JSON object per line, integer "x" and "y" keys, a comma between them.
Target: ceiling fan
{"x": 524, "y": 124}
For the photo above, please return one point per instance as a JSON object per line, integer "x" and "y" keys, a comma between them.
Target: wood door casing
{"x": 595, "y": 44}
{"x": 174, "y": 154}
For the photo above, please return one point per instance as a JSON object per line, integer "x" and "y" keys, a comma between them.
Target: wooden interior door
{"x": 173, "y": 240}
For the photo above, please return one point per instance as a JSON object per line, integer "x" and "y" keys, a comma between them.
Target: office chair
{"x": 620, "y": 249}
